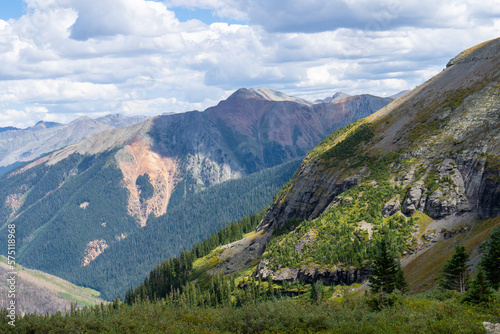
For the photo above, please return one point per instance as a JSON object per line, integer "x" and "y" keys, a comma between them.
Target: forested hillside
{"x": 186, "y": 224}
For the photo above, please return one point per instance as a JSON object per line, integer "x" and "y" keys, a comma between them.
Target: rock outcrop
{"x": 491, "y": 328}
{"x": 327, "y": 276}
{"x": 391, "y": 207}
{"x": 314, "y": 189}
{"x": 414, "y": 200}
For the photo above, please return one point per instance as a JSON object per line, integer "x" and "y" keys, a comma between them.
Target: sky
{"x": 62, "y": 59}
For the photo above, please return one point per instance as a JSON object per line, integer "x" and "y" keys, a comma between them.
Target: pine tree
{"x": 491, "y": 260}
{"x": 385, "y": 273}
{"x": 313, "y": 294}
{"x": 400, "y": 279}
{"x": 479, "y": 290}
{"x": 455, "y": 274}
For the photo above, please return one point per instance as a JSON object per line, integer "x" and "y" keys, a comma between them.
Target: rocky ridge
{"x": 20, "y": 145}
{"x": 440, "y": 145}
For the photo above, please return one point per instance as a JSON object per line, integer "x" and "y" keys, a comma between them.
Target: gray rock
{"x": 491, "y": 328}
{"x": 412, "y": 201}
{"x": 314, "y": 189}
{"x": 310, "y": 275}
{"x": 391, "y": 207}
{"x": 307, "y": 239}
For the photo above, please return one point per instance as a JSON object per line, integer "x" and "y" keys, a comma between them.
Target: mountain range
{"x": 22, "y": 145}
{"x": 423, "y": 173}
{"x": 123, "y": 199}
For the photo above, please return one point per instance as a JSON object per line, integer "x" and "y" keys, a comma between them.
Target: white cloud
{"x": 68, "y": 58}
{"x": 24, "y": 117}
{"x": 35, "y": 91}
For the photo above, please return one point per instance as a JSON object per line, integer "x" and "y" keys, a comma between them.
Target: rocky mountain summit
{"x": 446, "y": 132}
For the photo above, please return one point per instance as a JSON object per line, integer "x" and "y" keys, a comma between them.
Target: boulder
{"x": 412, "y": 201}
{"x": 391, "y": 207}
{"x": 491, "y": 328}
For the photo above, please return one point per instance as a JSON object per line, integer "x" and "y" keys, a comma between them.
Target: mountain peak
{"x": 273, "y": 95}
{"x": 8, "y": 128}
{"x": 267, "y": 94}
{"x": 485, "y": 50}
{"x": 81, "y": 119}
{"x": 242, "y": 93}
{"x": 335, "y": 97}
{"x": 45, "y": 125}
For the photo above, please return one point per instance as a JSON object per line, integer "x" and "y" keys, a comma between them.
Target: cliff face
{"x": 447, "y": 134}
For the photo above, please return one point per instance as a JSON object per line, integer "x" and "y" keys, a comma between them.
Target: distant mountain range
{"x": 335, "y": 97}
{"x": 122, "y": 199}
{"x": 21, "y": 145}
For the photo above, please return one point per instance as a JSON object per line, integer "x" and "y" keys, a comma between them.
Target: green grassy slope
{"x": 39, "y": 292}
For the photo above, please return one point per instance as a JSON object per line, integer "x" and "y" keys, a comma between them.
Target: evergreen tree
{"x": 386, "y": 274}
{"x": 491, "y": 260}
{"x": 479, "y": 291}
{"x": 313, "y": 294}
{"x": 400, "y": 281}
{"x": 455, "y": 275}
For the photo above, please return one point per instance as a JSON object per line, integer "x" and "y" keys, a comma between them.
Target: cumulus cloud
{"x": 23, "y": 117}
{"x": 68, "y": 58}
{"x": 318, "y": 15}
{"x": 125, "y": 17}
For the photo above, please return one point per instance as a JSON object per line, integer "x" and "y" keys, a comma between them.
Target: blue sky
{"x": 67, "y": 58}
{"x": 11, "y": 9}
{"x": 14, "y": 9}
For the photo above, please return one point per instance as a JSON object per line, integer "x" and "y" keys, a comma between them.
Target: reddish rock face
{"x": 270, "y": 132}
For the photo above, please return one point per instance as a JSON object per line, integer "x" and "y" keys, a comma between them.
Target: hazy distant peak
{"x": 117, "y": 120}
{"x": 273, "y": 95}
{"x": 335, "y": 97}
{"x": 81, "y": 119}
{"x": 45, "y": 125}
{"x": 8, "y": 128}
{"x": 17, "y": 145}
{"x": 266, "y": 94}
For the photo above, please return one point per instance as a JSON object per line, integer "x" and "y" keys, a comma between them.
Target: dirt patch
{"x": 241, "y": 254}
{"x": 84, "y": 205}
{"x": 367, "y": 227}
{"x": 137, "y": 159}
{"x": 121, "y": 236}
{"x": 306, "y": 240}
{"x": 94, "y": 249}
